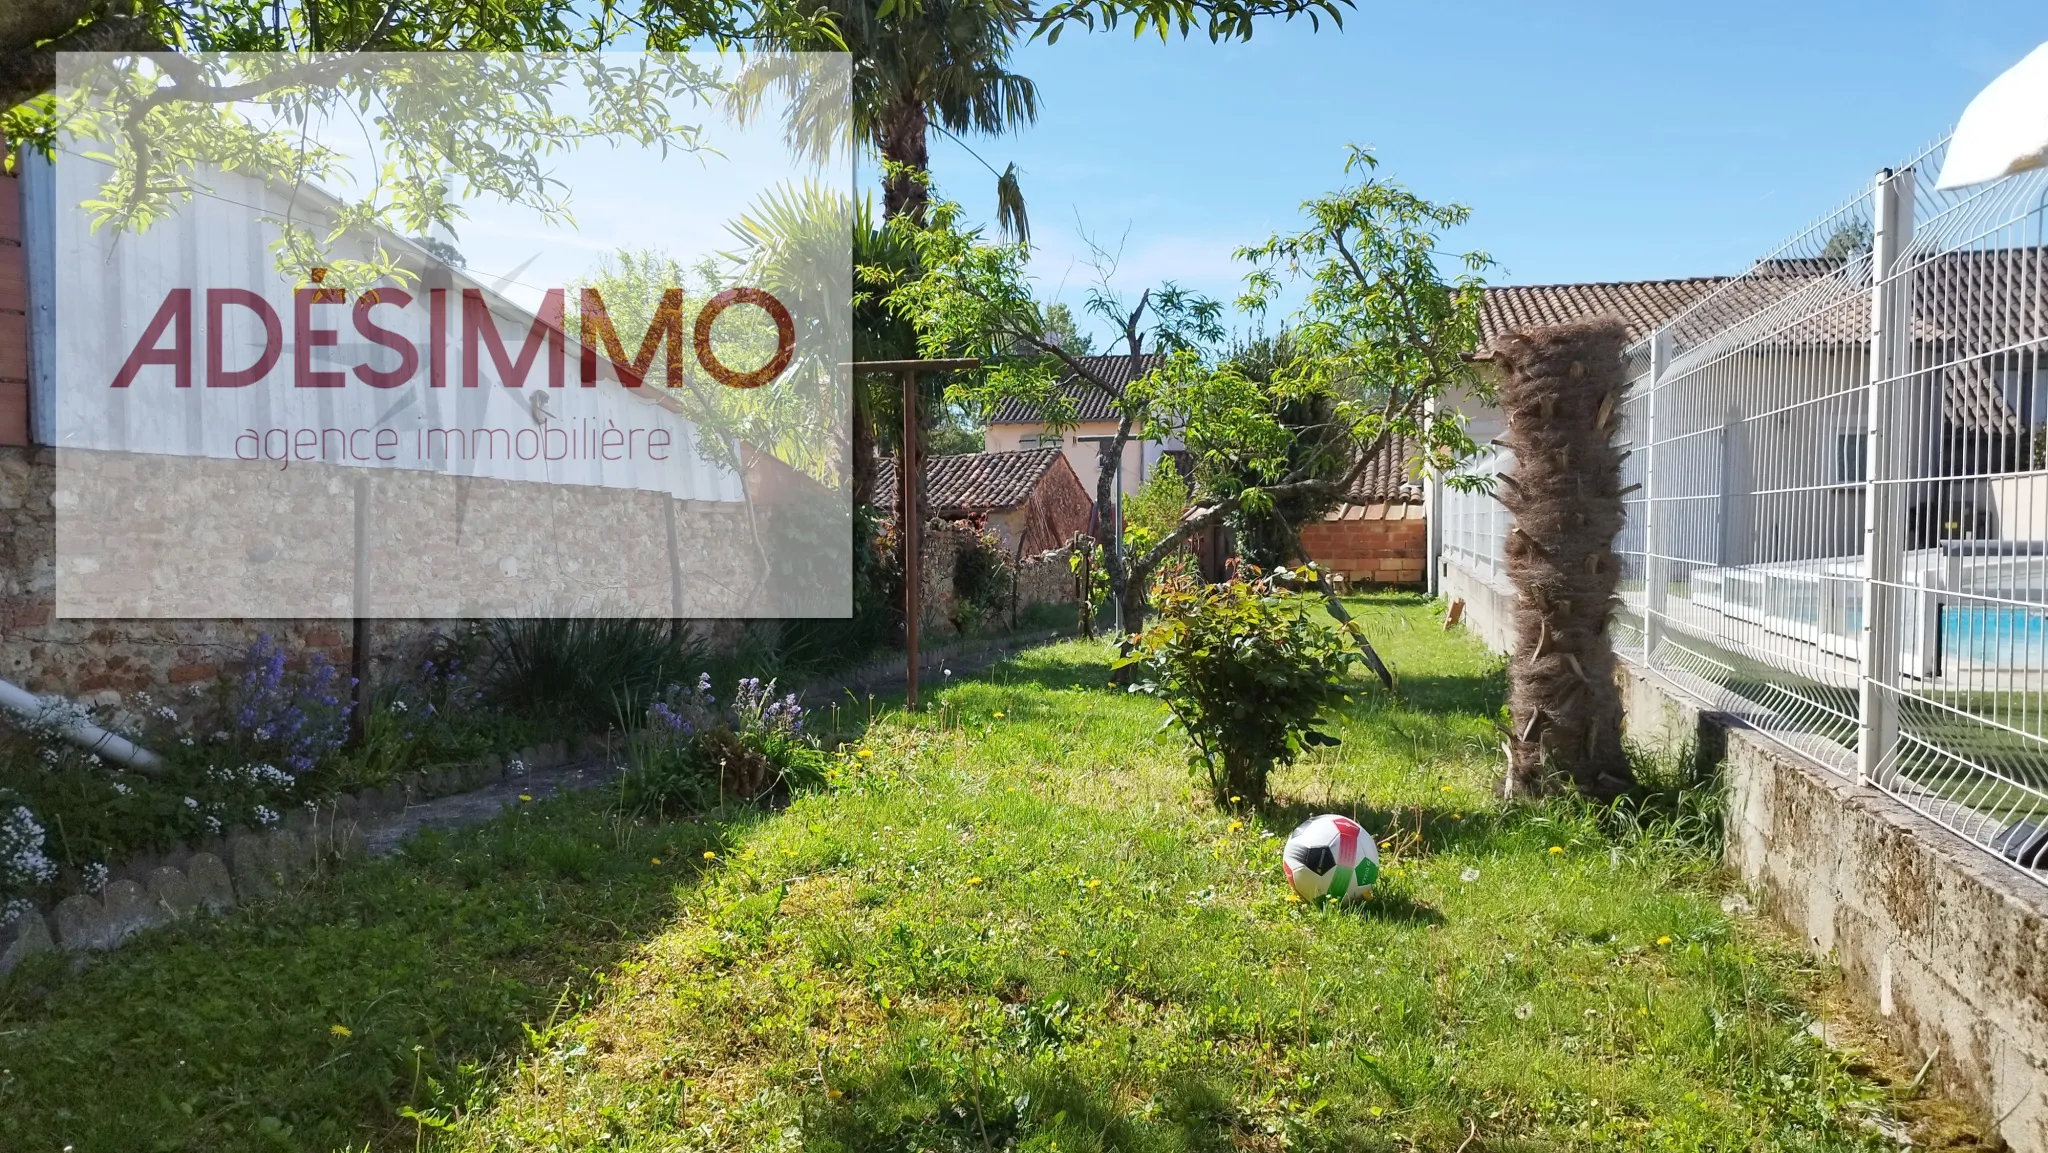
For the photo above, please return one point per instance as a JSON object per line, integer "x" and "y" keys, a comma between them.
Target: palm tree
{"x": 917, "y": 65}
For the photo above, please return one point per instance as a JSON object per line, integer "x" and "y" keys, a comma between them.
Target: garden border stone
{"x": 253, "y": 866}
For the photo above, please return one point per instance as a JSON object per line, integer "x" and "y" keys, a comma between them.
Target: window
{"x": 1047, "y": 441}
{"x": 1851, "y": 458}
{"x": 2025, "y": 392}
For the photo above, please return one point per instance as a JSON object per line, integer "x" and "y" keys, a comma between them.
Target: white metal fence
{"x": 1842, "y": 529}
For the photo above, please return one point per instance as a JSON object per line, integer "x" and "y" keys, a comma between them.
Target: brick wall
{"x": 1380, "y": 551}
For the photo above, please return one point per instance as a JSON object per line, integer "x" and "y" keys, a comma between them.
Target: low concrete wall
{"x": 1944, "y": 945}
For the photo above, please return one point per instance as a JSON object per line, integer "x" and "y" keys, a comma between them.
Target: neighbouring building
{"x": 1379, "y": 535}
{"x": 1014, "y": 426}
{"x": 1030, "y": 499}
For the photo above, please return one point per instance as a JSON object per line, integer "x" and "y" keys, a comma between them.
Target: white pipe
{"x": 80, "y": 732}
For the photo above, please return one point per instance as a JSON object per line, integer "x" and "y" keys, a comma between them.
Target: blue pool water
{"x": 2006, "y": 636}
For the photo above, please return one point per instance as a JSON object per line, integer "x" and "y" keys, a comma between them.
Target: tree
{"x": 1380, "y": 337}
{"x": 1560, "y": 392}
{"x": 1267, "y": 538}
{"x": 1061, "y": 330}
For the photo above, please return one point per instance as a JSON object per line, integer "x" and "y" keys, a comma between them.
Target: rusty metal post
{"x": 909, "y": 524}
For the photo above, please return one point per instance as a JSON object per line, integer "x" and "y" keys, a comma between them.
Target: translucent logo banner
{"x": 412, "y": 335}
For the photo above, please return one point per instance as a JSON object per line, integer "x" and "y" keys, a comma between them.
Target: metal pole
{"x": 907, "y": 504}
{"x": 1886, "y": 418}
{"x": 1655, "y": 581}
{"x": 359, "y": 640}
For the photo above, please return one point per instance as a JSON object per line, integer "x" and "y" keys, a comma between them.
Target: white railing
{"x": 1841, "y": 532}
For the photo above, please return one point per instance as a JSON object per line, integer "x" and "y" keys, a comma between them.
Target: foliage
{"x": 272, "y": 713}
{"x": 1248, "y": 671}
{"x": 1317, "y": 449}
{"x": 589, "y": 671}
{"x": 1062, "y": 331}
{"x": 1152, "y": 514}
{"x": 984, "y": 580}
{"x": 919, "y": 956}
{"x": 693, "y": 751}
{"x": 437, "y": 713}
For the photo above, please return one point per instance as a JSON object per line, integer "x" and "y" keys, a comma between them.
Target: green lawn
{"x": 1014, "y": 924}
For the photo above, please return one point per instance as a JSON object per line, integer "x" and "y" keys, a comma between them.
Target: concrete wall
{"x": 1944, "y": 945}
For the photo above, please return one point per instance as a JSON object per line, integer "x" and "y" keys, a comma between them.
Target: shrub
{"x": 1247, "y": 670}
{"x": 984, "y": 580}
{"x": 590, "y": 672}
{"x": 693, "y": 751}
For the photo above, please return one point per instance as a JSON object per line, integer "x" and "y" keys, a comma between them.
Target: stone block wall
{"x": 1371, "y": 549}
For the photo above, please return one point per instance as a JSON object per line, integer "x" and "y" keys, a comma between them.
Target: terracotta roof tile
{"x": 1089, "y": 403}
{"x": 973, "y": 482}
{"x": 1640, "y": 304}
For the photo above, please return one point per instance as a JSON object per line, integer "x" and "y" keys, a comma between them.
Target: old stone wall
{"x": 1047, "y": 578}
{"x": 1944, "y": 945}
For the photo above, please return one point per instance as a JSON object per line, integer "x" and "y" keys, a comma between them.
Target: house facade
{"x": 1015, "y": 427}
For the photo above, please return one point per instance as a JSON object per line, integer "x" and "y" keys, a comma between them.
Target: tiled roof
{"x": 1089, "y": 402}
{"x": 1640, "y": 304}
{"x": 974, "y": 482}
{"x": 1384, "y": 477}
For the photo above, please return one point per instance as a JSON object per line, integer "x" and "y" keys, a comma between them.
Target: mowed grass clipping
{"x": 1015, "y": 924}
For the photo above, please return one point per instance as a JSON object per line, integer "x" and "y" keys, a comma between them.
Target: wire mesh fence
{"x": 1841, "y": 526}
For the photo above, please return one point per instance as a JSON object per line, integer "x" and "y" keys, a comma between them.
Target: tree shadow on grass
{"x": 949, "y": 1100}
{"x": 309, "y": 1022}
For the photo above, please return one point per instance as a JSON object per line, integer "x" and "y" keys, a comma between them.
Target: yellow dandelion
{"x": 1235, "y": 800}
{"x": 1448, "y": 789}
{"x": 866, "y": 754}
{"x": 1294, "y": 898}
{"x": 709, "y": 855}
{"x": 1093, "y": 883}
{"x": 999, "y": 716}
{"x": 654, "y": 860}
{"x": 524, "y": 797}
{"x": 340, "y": 1030}
{"x": 1557, "y": 848}
{"x": 974, "y": 880}
{"x": 1236, "y": 825}
{"x": 1662, "y": 941}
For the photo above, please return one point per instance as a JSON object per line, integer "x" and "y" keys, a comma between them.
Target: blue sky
{"x": 1592, "y": 140}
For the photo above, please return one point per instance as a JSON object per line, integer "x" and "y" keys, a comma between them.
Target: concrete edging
{"x": 246, "y": 866}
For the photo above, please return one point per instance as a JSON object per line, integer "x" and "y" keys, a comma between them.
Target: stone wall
{"x": 1944, "y": 945}
{"x": 1371, "y": 549}
{"x": 104, "y": 658}
{"x": 1047, "y": 579}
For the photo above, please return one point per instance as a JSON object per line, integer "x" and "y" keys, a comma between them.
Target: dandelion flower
{"x": 1662, "y": 941}
{"x": 709, "y": 855}
{"x": 974, "y": 880}
{"x": 340, "y": 1030}
{"x": 866, "y": 754}
{"x": 525, "y": 797}
{"x": 1555, "y": 849}
{"x": 1448, "y": 788}
{"x": 1469, "y": 876}
{"x": 1236, "y": 825}
{"x": 999, "y": 716}
{"x": 654, "y": 860}
{"x": 1294, "y": 898}
{"x": 1094, "y": 883}
{"x": 1235, "y": 800}
{"x": 1524, "y": 1011}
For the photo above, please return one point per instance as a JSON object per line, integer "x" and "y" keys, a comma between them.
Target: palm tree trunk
{"x": 901, "y": 141}
{"x": 1561, "y": 392}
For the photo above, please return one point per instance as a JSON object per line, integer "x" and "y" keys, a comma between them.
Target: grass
{"x": 1014, "y": 924}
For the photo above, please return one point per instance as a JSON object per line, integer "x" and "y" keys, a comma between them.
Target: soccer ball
{"x": 1331, "y": 856}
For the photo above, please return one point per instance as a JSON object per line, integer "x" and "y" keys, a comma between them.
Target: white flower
{"x": 265, "y": 815}
{"x": 191, "y": 804}
{"x": 166, "y": 712}
{"x": 95, "y": 877}
{"x": 50, "y": 754}
{"x": 94, "y": 758}
{"x": 397, "y": 706}
{"x": 188, "y": 742}
{"x": 213, "y": 824}
{"x": 122, "y": 789}
{"x": 21, "y": 848}
{"x": 517, "y": 768}
{"x": 15, "y": 910}
{"x": 1469, "y": 876}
